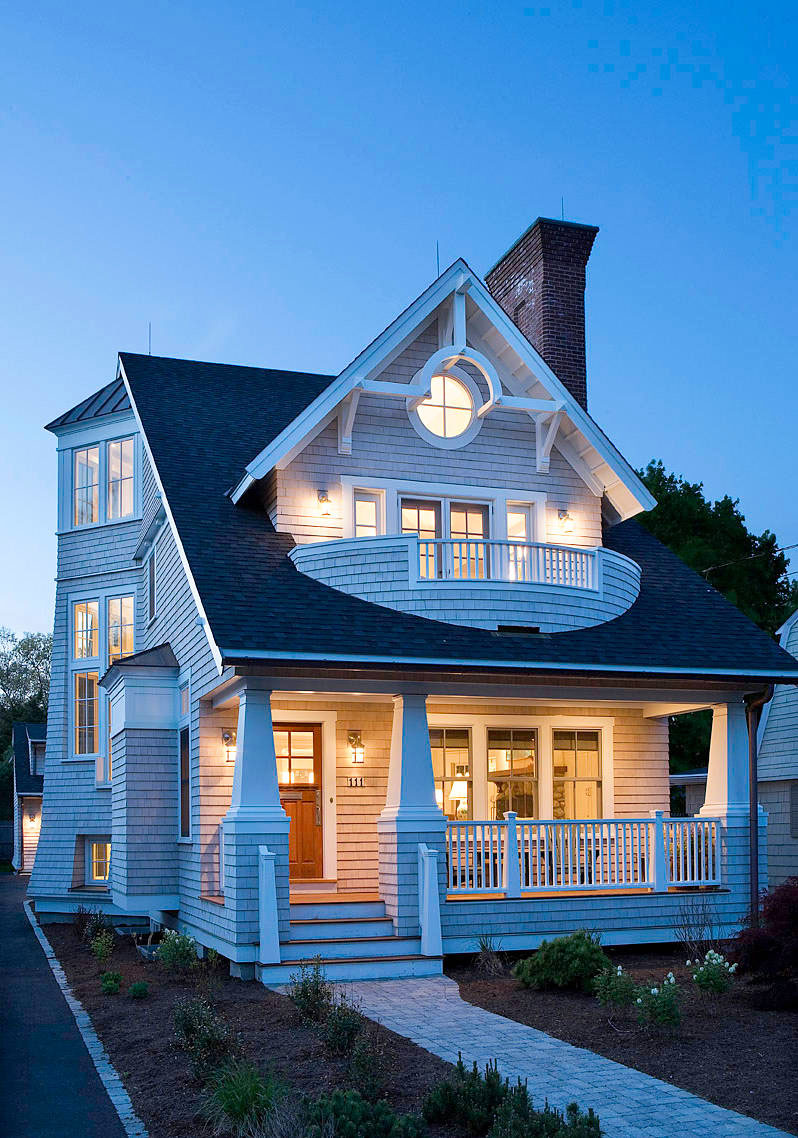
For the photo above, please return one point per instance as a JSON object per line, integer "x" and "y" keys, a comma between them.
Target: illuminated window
{"x": 98, "y": 861}
{"x": 85, "y": 630}
{"x": 512, "y": 772}
{"x": 449, "y": 410}
{"x": 424, "y": 519}
{"x": 185, "y": 783}
{"x": 468, "y": 525}
{"x": 298, "y": 751}
{"x": 120, "y": 628}
{"x": 367, "y": 514}
{"x": 120, "y": 478}
{"x": 85, "y": 712}
{"x": 577, "y": 774}
{"x": 86, "y": 486}
{"x": 451, "y": 765}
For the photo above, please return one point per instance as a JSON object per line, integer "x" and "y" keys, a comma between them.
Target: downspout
{"x": 753, "y": 708}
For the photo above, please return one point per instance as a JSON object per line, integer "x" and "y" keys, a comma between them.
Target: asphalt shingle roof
{"x": 205, "y": 422}
{"x": 107, "y": 401}
{"x": 21, "y": 734}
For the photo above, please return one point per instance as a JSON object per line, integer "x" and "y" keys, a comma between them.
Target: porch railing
{"x": 515, "y": 856}
{"x": 525, "y": 562}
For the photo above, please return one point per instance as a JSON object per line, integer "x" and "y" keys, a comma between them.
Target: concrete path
{"x": 628, "y": 1103}
{"x": 49, "y": 1087}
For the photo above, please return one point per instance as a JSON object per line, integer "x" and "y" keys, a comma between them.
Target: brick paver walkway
{"x": 629, "y": 1103}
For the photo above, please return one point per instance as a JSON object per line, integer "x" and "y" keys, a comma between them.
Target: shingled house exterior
{"x": 365, "y": 665}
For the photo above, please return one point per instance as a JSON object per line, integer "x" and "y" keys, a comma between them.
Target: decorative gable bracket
{"x": 546, "y": 428}
{"x": 346, "y": 420}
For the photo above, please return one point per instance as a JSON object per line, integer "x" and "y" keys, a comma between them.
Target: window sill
{"x": 93, "y": 889}
{"x": 185, "y": 841}
{"x": 80, "y": 759}
{"x": 102, "y": 786}
{"x": 89, "y": 526}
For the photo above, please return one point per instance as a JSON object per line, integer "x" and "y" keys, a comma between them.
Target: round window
{"x": 449, "y": 410}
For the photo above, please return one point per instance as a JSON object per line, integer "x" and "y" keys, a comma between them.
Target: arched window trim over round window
{"x": 452, "y": 442}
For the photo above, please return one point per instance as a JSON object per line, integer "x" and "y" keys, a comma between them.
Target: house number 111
{"x": 357, "y": 780}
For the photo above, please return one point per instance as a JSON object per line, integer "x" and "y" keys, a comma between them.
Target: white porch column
{"x": 255, "y": 821}
{"x": 727, "y": 774}
{"x": 411, "y": 816}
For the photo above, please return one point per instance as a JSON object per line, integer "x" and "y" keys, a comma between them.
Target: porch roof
{"x": 201, "y": 422}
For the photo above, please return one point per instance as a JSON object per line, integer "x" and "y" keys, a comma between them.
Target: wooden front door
{"x": 298, "y": 749}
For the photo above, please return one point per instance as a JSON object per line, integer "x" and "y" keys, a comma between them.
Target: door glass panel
{"x": 301, "y": 743}
{"x": 281, "y": 743}
{"x": 296, "y": 751}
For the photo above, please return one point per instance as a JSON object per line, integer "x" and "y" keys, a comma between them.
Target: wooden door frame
{"x": 283, "y": 713}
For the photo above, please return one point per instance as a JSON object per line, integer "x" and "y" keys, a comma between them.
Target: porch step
{"x": 345, "y": 948}
{"x": 334, "y": 928}
{"x": 357, "y": 968}
{"x": 335, "y": 910}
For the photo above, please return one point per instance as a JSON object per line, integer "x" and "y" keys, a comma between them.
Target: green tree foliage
{"x": 713, "y": 539}
{"x": 24, "y": 688}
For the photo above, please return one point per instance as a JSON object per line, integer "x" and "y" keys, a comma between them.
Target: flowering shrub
{"x": 615, "y": 988}
{"x": 714, "y": 974}
{"x": 177, "y": 952}
{"x": 659, "y": 1006}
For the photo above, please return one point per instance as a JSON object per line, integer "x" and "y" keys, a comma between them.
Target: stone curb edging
{"x": 133, "y": 1126}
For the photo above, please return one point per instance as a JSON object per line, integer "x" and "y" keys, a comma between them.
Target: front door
{"x": 298, "y": 750}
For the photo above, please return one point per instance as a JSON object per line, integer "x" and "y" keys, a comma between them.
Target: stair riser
{"x": 274, "y": 975}
{"x": 341, "y": 929}
{"x": 344, "y": 949}
{"x": 340, "y": 910}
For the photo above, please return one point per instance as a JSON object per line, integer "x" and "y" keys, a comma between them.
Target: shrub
{"x": 177, "y": 952}
{"x": 343, "y": 1024}
{"x": 96, "y": 923}
{"x": 206, "y": 973}
{"x": 238, "y": 1098}
{"x": 567, "y": 962}
{"x": 111, "y": 982}
{"x": 203, "y": 1034}
{"x": 714, "y": 974}
{"x": 102, "y": 946}
{"x": 488, "y": 959}
{"x": 348, "y": 1115}
{"x": 615, "y": 988}
{"x": 773, "y": 947}
{"x": 515, "y": 1118}
{"x": 368, "y": 1064}
{"x": 312, "y": 992}
{"x": 468, "y": 1098}
{"x": 80, "y": 919}
{"x": 138, "y": 990}
{"x": 659, "y": 1006}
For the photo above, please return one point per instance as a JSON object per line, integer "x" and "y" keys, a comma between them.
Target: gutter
{"x": 753, "y": 709}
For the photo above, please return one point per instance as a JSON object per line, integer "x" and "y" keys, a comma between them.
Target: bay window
{"x": 103, "y": 481}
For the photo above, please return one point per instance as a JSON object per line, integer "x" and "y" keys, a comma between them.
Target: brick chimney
{"x": 540, "y": 284}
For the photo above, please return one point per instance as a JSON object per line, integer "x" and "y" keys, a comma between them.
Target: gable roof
{"x": 199, "y": 421}
{"x": 109, "y": 400}
{"x": 580, "y": 439}
{"x": 22, "y": 735}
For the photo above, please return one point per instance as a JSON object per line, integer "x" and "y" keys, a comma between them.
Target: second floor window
{"x": 120, "y": 478}
{"x": 120, "y": 628}
{"x": 85, "y": 630}
{"x": 86, "y": 713}
{"x": 86, "y": 486}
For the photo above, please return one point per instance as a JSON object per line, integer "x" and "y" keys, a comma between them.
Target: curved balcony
{"x": 479, "y": 583}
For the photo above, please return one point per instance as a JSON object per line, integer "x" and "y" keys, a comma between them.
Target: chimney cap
{"x": 543, "y": 221}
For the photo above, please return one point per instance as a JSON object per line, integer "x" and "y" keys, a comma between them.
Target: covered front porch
{"x": 460, "y": 814}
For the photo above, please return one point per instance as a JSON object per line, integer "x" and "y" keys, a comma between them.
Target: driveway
{"x": 49, "y": 1087}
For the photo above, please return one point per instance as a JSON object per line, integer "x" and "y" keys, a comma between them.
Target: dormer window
{"x": 120, "y": 478}
{"x": 103, "y": 482}
{"x": 86, "y": 486}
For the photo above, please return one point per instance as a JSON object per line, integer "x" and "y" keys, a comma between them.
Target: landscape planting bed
{"x": 726, "y": 1050}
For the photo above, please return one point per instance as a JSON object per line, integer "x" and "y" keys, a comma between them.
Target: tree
{"x": 748, "y": 568}
{"x": 24, "y": 690}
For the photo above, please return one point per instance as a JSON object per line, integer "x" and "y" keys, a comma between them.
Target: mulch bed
{"x": 138, "y": 1036}
{"x": 726, "y": 1050}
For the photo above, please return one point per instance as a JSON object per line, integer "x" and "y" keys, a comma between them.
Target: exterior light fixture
{"x": 325, "y": 506}
{"x": 229, "y": 743}
{"x": 356, "y": 747}
{"x": 566, "y": 521}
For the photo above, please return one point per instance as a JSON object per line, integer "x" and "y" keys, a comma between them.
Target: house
{"x": 778, "y": 769}
{"x": 688, "y": 790}
{"x": 363, "y": 665}
{"x": 28, "y": 746}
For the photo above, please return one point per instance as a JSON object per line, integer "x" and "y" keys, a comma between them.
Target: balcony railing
{"x": 516, "y": 856}
{"x": 525, "y": 562}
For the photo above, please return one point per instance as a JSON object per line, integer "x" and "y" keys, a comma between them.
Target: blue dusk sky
{"x": 266, "y": 184}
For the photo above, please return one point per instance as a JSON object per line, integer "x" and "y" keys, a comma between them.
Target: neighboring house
{"x": 28, "y": 745}
{"x": 778, "y": 770}
{"x": 688, "y": 791}
{"x": 365, "y": 665}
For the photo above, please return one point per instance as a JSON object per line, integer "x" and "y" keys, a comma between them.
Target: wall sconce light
{"x": 566, "y": 521}
{"x": 356, "y": 747}
{"x": 229, "y": 743}
{"x": 325, "y": 505}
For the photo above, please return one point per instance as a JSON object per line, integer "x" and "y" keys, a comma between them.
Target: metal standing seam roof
{"x": 204, "y": 422}
{"x": 107, "y": 401}
{"x": 21, "y": 736}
